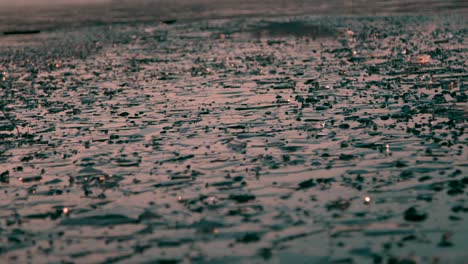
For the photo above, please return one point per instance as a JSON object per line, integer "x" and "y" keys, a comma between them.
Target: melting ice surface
{"x": 308, "y": 140}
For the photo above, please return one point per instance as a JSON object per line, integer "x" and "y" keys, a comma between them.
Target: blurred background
{"x": 50, "y": 14}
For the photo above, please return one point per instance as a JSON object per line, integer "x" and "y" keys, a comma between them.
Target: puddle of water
{"x": 319, "y": 143}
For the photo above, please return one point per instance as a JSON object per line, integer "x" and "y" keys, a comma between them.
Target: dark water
{"x": 305, "y": 139}
{"x": 53, "y": 14}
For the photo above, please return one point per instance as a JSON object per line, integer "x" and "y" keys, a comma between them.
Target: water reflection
{"x": 146, "y": 141}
